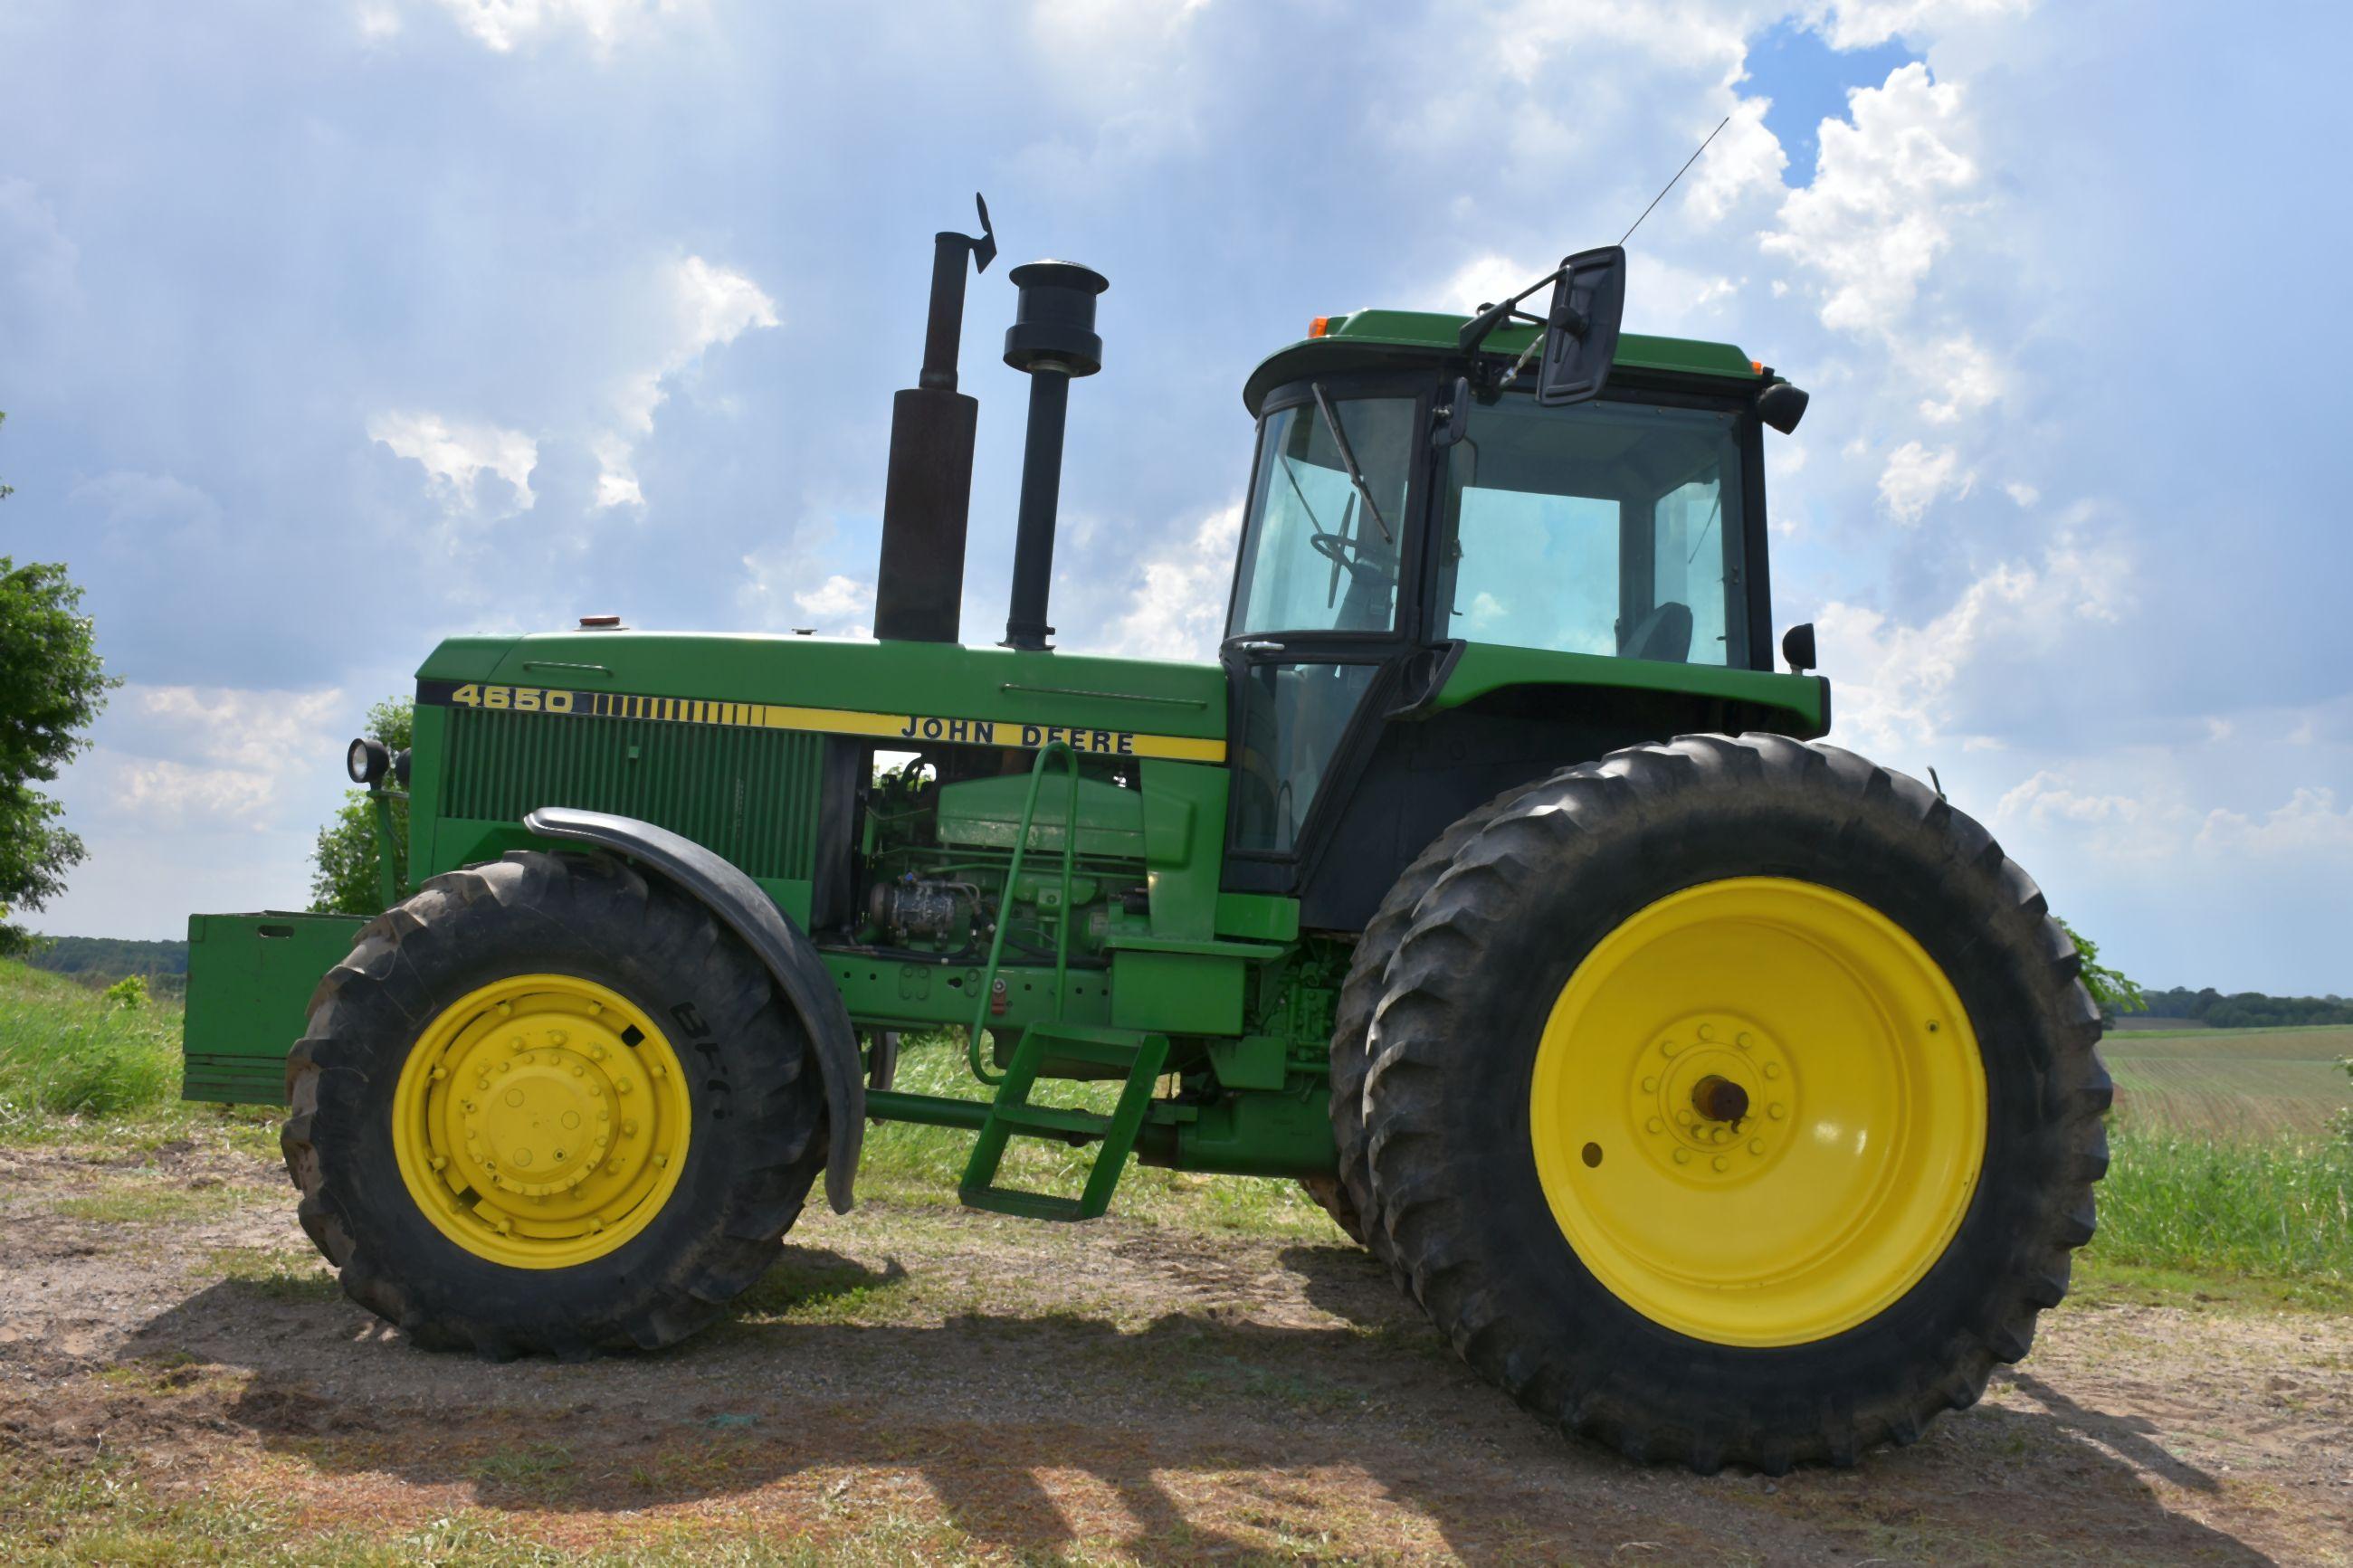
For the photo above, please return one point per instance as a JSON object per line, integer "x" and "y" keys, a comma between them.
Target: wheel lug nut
{"x": 1682, "y": 1156}
{"x": 1652, "y": 1125}
{"x": 1718, "y": 1162}
{"x": 1776, "y": 1111}
{"x": 1649, "y": 1086}
{"x": 1756, "y": 1145}
{"x": 1744, "y": 1040}
{"x": 1772, "y": 1070}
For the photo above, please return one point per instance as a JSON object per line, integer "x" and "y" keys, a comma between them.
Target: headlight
{"x": 367, "y": 761}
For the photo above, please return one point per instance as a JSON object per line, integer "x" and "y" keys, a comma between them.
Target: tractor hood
{"x": 910, "y": 691}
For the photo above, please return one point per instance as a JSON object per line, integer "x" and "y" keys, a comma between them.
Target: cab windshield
{"x": 1318, "y": 552}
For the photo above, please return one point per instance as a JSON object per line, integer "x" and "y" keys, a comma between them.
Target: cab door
{"x": 1323, "y": 610}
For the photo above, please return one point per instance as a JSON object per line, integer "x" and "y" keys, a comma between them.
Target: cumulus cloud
{"x": 190, "y": 757}
{"x": 1860, "y": 24}
{"x": 1904, "y": 686}
{"x": 1964, "y": 377}
{"x": 2310, "y": 826}
{"x": 700, "y": 307}
{"x": 454, "y": 455}
{"x": 502, "y": 25}
{"x": 788, "y": 585}
{"x": 1745, "y": 159}
{"x": 1893, "y": 181}
{"x": 1914, "y": 479}
{"x": 842, "y": 605}
{"x": 174, "y": 794}
{"x": 1176, "y": 608}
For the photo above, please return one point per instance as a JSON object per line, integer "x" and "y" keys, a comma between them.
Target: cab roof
{"x": 1366, "y": 340}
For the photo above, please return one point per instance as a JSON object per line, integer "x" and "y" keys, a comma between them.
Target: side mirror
{"x": 1798, "y": 647}
{"x": 1781, "y": 406}
{"x": 1452, "y": 418}
{"x": 1581, "y": 329}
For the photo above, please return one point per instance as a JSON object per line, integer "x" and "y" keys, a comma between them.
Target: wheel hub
{"x": 1711, "y": 1095}
{"x": 539, "y": 1120}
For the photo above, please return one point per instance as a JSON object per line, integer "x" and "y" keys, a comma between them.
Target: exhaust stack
{"x": 927, "y": 494}
{"x": 1052, "y": 340}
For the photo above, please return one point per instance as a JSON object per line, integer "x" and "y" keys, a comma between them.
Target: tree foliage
{"x": 344, "y": 878}
{"x": 52, "y": 687}
{"x": 2249, "y": 1009}
{"x": 2113, "y": 990}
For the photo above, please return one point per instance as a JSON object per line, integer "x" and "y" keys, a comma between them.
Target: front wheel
{"x": 1736, "y": 1100}
{"x": 547, "y": 1106}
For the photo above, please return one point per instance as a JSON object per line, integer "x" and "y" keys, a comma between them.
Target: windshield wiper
{"x": 1348, "y": 456}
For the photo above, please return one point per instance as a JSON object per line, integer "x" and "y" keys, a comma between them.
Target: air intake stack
{"x": 1052, "y": 340}
{"x": 927, "y": 494}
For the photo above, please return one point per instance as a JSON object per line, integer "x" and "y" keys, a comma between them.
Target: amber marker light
{"x": 1319, "y": 326}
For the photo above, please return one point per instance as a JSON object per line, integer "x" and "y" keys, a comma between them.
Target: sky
{"x": 330, "y": 328}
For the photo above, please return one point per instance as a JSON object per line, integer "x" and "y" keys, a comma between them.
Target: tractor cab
{"x": 1410, "y": 505}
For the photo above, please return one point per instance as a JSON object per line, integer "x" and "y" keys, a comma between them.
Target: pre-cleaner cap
{"x": 1054, "y": 319}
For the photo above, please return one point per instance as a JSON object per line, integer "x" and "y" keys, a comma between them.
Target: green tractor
{"x": 1720, "y": 1096}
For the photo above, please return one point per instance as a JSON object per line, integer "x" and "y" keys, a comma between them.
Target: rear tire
{"x": 697, "y": 1083}
{"x": 1627, "y": 1331}
{"x": 1348, "y": 1196}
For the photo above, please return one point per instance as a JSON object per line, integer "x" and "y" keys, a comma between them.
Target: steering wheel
{"x": 1341, "y": 550}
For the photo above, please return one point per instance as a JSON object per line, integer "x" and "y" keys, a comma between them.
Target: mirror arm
{"x": 1474, "y": 330}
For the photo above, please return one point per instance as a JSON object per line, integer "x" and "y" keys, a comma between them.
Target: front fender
{"x": 751, "y": 915}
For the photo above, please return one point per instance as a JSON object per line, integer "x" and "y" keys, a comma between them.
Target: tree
{"x": 5, "y": 491}
{"x": 52, "y": 687}
{"x": 344, "y": 880}
{"x": 2113, "y": 990}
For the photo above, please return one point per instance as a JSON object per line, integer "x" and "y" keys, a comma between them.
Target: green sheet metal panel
{"x": 249, "y": 982}
{"x": 748, "y": 794}
{"x": 1491, "y": 667}
{"x": 1176, "y": 993}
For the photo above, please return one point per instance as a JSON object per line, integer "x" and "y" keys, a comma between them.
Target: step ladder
{"x": 1138, "y": 1056}
{"x": 1135, "y": 1056}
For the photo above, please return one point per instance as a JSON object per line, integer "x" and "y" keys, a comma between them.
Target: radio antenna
{"x": 1679, "y": 174}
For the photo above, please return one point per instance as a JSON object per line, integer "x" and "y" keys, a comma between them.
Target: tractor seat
{"x": 1663, "y": 632}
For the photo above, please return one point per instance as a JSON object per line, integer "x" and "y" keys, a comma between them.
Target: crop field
{"x": 1212, "y": 1374}
{"x": 2241, "y": 1084}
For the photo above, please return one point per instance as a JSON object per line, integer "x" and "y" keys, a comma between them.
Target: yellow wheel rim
{"x": 1758, "y": 1111}
{"x": 541, "y": 1121}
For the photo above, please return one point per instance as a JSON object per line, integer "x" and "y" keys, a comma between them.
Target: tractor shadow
{"x": 1030, "y": 1432}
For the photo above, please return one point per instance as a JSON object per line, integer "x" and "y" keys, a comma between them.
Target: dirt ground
{"x": 922, "y": 1382}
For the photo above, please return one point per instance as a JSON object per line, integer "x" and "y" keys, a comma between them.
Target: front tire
{"x": 1736, "y": 1100}
{"x": 547, "y": 1106}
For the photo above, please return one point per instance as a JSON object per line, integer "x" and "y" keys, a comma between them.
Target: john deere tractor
{"x": 1720, "y": 1095}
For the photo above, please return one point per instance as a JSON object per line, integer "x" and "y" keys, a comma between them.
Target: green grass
{"x": 66, "y": 1053}
{"x": 2280, "y": 1211}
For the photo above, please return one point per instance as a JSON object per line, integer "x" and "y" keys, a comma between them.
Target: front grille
{"x": 748, "y": 794}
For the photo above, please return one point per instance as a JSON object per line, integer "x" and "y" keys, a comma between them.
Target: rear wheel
{"x": 1736, "y": 1100}
{"x": 547, "y": 1106}
{"x": 1348, "y": 1195}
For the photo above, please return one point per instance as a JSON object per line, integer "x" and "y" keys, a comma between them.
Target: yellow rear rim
{"x": 1758, "y": 1111}
{"x": 541, "y": 1121}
